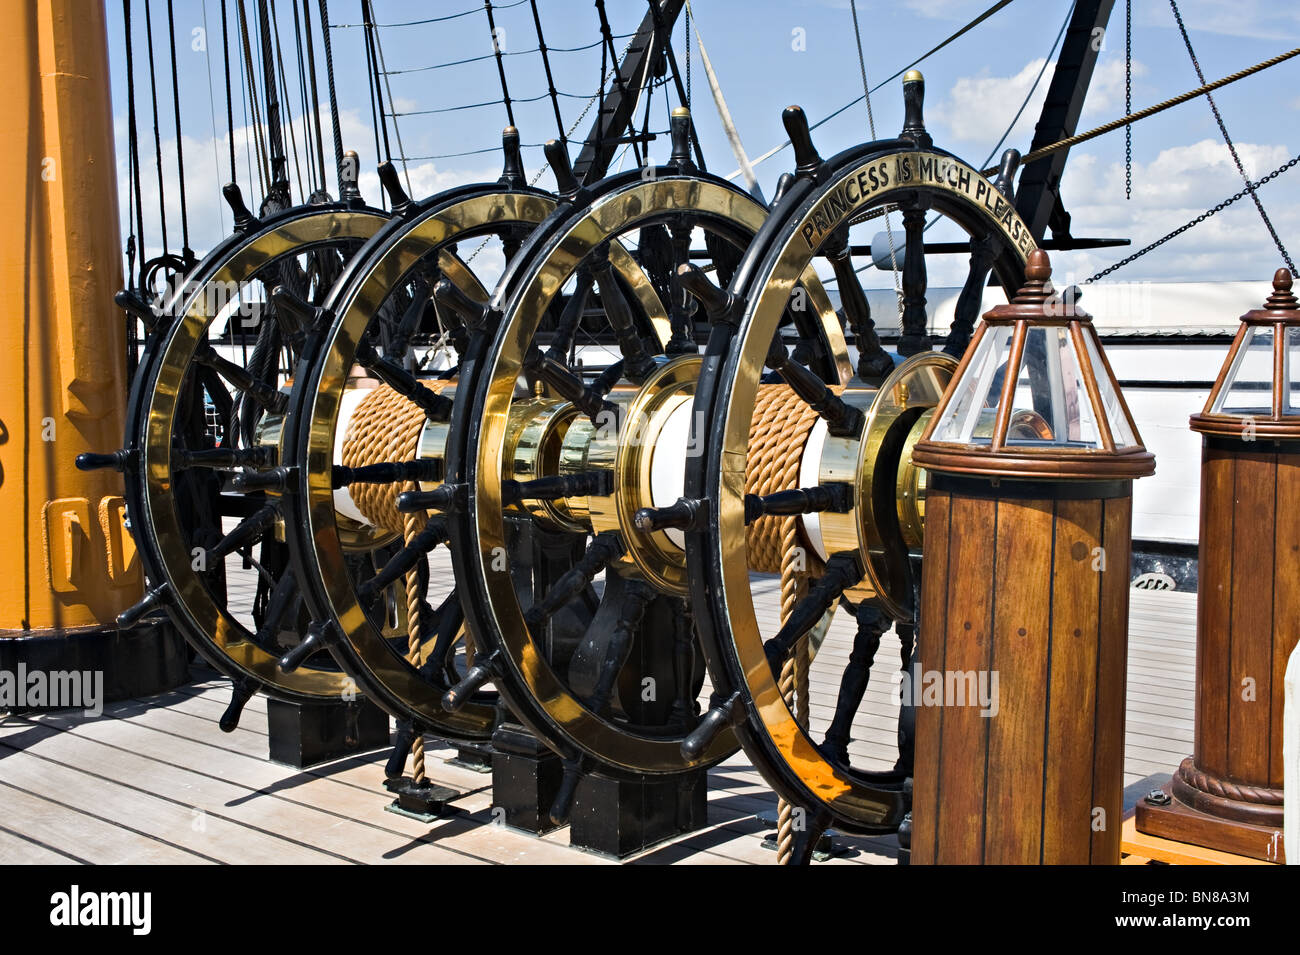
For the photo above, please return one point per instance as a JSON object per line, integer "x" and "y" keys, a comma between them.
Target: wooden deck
{"x": 154, "y": 780}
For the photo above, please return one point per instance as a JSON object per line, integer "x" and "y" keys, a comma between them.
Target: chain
{"x": 688, "y": 56}
{"x": 1128, "y": 98}
{"x": 1187, "y": 41}
{"x": 1249, "y": 190}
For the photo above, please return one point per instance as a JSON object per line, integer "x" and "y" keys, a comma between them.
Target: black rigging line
{"x": 1232, "y": 148}
{"x": 277, "y": 53}
{"x": 503, "y": 53}
{"x": 315, "y": 95}
{"x": 334, "y": 99}
{"x": 501, "y": 67}
{"x": 550, "y": 80}
{"x": 889, "y": 79}
{"x": 157, "y": 138}
{"x": 608, "y": 38}
{"x": 136, "y": 240}
{"x": 376, "y": 91}
{"x": 230, "y": 104}
{"x": 302, "y": 91}
{"x": 253, "y": 126}
{"x": 413, "y": 23}
{"x": 186, "y": 252}
{"x": 275, "y": 134}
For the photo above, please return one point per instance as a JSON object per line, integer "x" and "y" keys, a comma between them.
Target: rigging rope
{"x": 157, "y": 137}
{"x": 230, "y": 104}
{"x": 186, "y": 252}
{"x": 1149, "y": 111}
{"x": 871, "y": 122}
{"x": 376, "y": 94}
{"x": 415, "y": 23}
{"x": 135, "y": 241}
{"x": 608, "y": 38}
{"x": 889, "y": 79}
{"x": 501, "y": 67}
{"x": 550, "y": 80}
{"x": 212, "y": 102}
{"x": 315, "y": 95}
{"x": 1232, "y": 148}
{"x": 397, "y": 130}
{"x": 334, "y": 99}
{"x": 277, "y": 53}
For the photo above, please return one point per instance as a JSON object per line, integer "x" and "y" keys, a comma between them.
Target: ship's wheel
{"x": 370, "y": 422}
{"x": 580, "y": 616}
{"x": 854, "y": 501}
{"x": 206, "y": 402}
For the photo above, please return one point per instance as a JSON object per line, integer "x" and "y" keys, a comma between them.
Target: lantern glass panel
{"x": 976, "y": 397}
{"x": 1052, "y": 386}
{"x": 1248, "y": 387}
{"x": 1292, "y": 404}
{"x": 1111, "y": 406}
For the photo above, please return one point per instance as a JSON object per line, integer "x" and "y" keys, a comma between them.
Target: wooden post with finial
{"x": 1023, "y": 628}
{"x": 1228, "y": 794}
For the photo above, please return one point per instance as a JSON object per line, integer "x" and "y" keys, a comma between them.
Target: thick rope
{"x": 385, "y": 427}
{"x": 778, "y": 432}
{"x": 793, "y": 682}
{"x": 414, "y": 522}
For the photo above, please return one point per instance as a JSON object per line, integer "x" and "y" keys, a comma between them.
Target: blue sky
{"x": 770, "y": 54}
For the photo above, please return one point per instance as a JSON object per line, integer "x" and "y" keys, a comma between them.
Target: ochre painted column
{"x": 1025, "y": 577}
{"x": 66, "y": 561}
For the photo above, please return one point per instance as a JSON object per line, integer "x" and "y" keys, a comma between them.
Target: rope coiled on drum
{"x": 385, "y": 427}
{"x": 778, "y": 431}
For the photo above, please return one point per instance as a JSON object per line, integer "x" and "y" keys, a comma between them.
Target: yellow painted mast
{"x": 67, "y": 564}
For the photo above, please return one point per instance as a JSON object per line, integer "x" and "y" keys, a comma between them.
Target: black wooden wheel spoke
{"x": 872, "y": 624}
{"x": 284, "y": 598}
{"x": 636, "y": 597}
{"x": 843, "y": 570}
{"x": 982, "y": 251}
{"x": 269, "y": 397}
{"x": 436, "y": 407}
{"x": 244, "y": 533}
{"x": 638, "y": 361}
{"x": 914, "y": 338}
{"x": 874, "y": 363}
{"x": 603, "y": 548}
{"x": 431, "y": 535}
{"x": 566, "y": 330}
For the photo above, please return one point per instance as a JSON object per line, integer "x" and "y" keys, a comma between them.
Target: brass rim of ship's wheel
{"x": 353, "y": 615}
{"x": 181, "y": 469}
{"x": 870, "y": 541}
{"x": 590, "y": 484}
{"x": 408, "y": 681}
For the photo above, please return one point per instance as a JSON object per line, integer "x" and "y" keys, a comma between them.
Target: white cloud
{"x": 1256, "y": 19}
{"x": 1179, "y": 184}
{"x": 976, "y": 107}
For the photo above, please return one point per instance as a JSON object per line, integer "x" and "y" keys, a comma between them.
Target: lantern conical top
{"x": 1035, "y": 397}
{"x": 1257, "y": 393}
